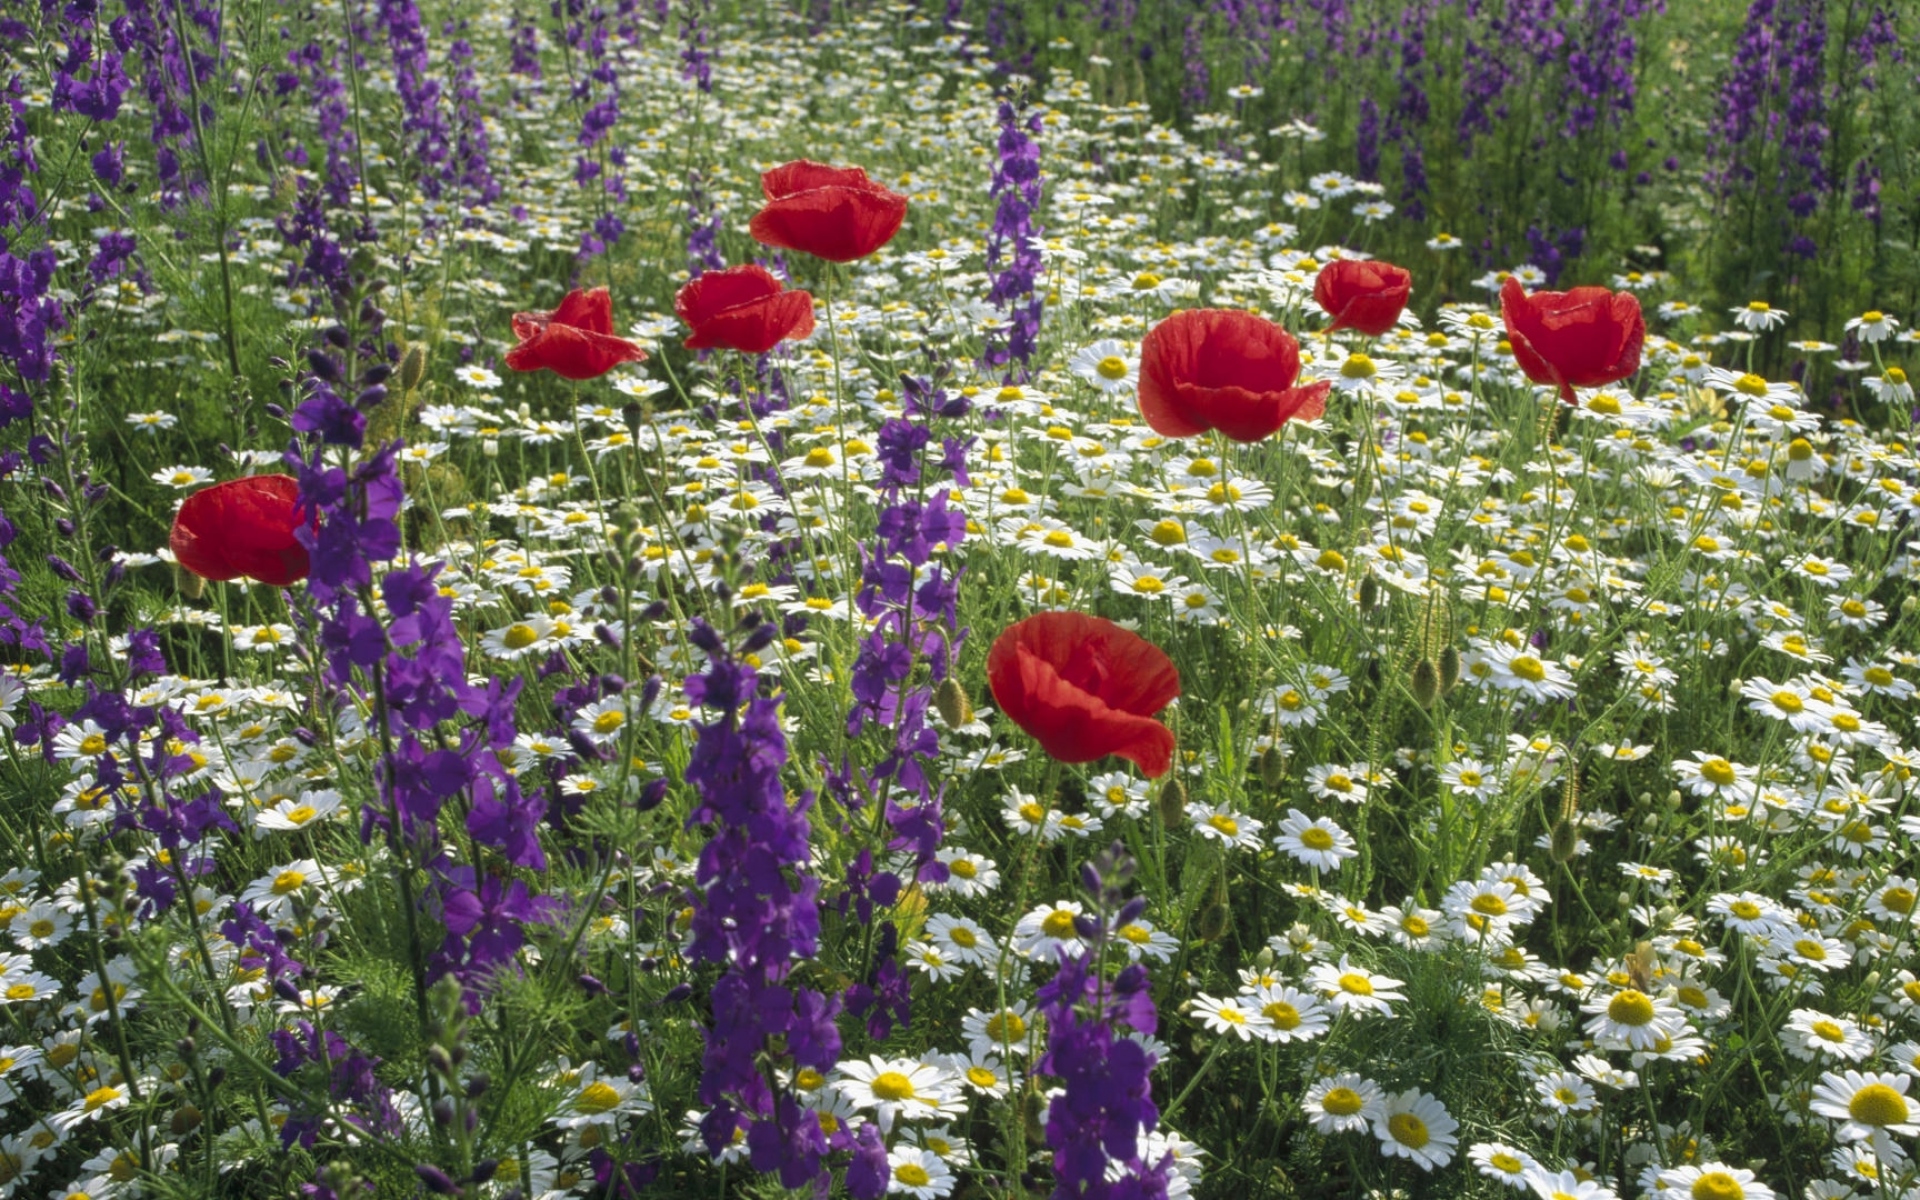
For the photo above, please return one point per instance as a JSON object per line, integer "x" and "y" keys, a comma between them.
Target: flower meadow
{"x": 686, "y": 600}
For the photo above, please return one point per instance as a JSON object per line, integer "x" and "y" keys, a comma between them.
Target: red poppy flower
{"x": 1214, "y": 368}
{"x": 574, "y": 341}
{"x": 242, "y": 527}
{"x": 1588, "y": 337}
{"x": 744, "y": 309}
{"x": 835, "y": 213}
{"x": 1085, "y": 688}
{"x": 1367, "y": 296}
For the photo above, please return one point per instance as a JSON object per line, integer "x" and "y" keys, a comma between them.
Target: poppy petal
{"x": 1084, "y": 688}
{"x": 242, "y": 527}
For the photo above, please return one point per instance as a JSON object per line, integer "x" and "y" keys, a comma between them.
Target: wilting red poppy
{"x": 743, "y": 308}
{"x": 1367, "y": 296}
{"x": 1085, "y": 688}
{"x": 1588, "y": 337}
{"x": 1217, "y": 368}
{"x": 835, "y": 213}
{"x": 242, "y": 527}
{"x": 574, "y": 341}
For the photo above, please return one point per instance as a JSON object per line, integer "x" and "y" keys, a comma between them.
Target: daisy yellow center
{"x": 1529, "y": 668}
{"x": 1808, "y": 948}
{"x": 1415, "y": 925}
{"x": 1716, "y": 1185}
{"x": 1355, "y": 984}
{"x": 1149, "y": 584}
{"x": 1894, "y": 899}
{"x": 519, "y": 636}
{"x": 607, "y": 722}
{"x": 1059, "y": 539}
{"x": 1718, "y": 771}
{"x": 981, "y": 1077}
{"x": 288, "y": 882}
{"x": 20, "y": 991}
{"x": 1487, "y": 904}
{"x": 1281, "y": 1015}
{"x": 1828, "y": 1031}
{"x": 1879, "y": 1105}
{"x": 1408, "y": 1130}
{"x": 42, "y": 928}
{"x": 1111, "y": 367}
{"x": 1222, "y": 493}
{"x": 1692, "y": 996}
{"x": 101, "y": 1097}
{"x": 1059, "y": 924}
{"x": 1145, "y": 281}
{"x": 1225, "y": 824}
{"x": 892, "y": 1086}
{"x": 597, "y": 1097}
{"x": 93, "y": 743}
{"x": 808, "y": 1079}
{"x": 1342, "y": 1102}
{"x": 1231, "y": 1015}
{"x": 1032, "y": 812}
{"x": 912, "y": 1174}
{"x": 1358, "y": 366}
{"x": 1168, "y": 533}
{"x": 1009, "y": 1026}
{"x": 819, "y": 456}
{"x": 1746, "y": 910}
{"x": 1315, "y": 838}
{"x": 1632, "y": 1008}
{"x": 1505, "y": 1163}
{"x": 963, "y": 867}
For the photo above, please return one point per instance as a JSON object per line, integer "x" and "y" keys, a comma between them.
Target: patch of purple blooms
{"x": 1013, "y": 245}
{"x": 755, "y": 912}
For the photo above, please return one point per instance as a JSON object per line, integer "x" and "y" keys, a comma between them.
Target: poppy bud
{"x": 1424, "y": 683}
{"x": 1564, "y": 842}
{"x": 1369, "y": 593}
{"x": 1173, "y": 804}
{"x": 413, "y": 368}
{"x": 1449, "y": 668}
{"x": 1212, "y": 921}
{"x": 1273, "y": 766}
{"x": 950, "y": 699}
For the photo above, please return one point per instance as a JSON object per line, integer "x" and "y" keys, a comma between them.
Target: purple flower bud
{"x": 437, "y": 1181}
